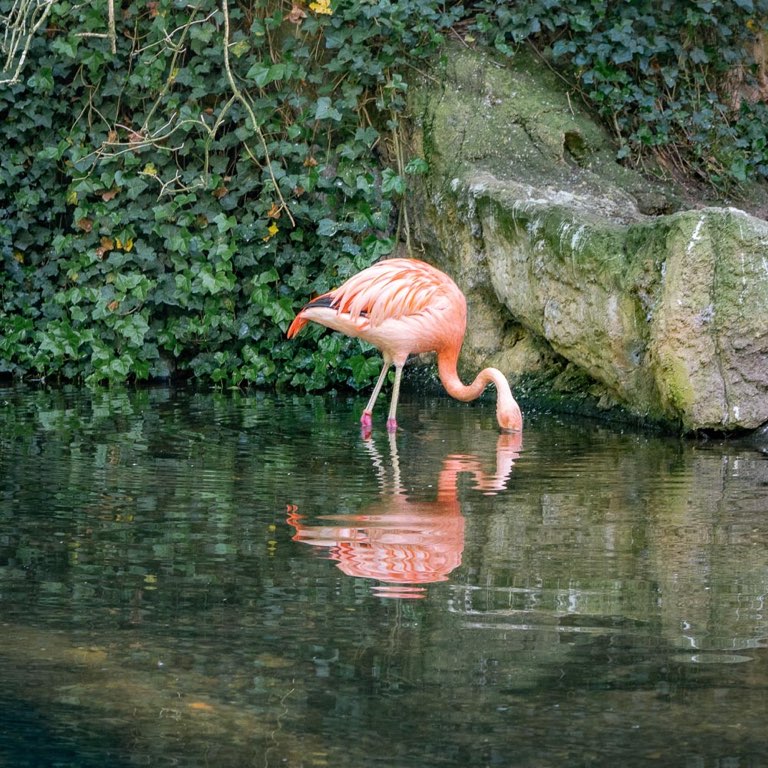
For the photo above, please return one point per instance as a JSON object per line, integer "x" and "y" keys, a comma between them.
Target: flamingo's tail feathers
{"x": 326, "y": 300}
{"x": 298, "y": 323}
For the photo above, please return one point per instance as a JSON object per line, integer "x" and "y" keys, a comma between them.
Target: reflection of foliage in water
{"x": 147, "y": 488}
{"x": 147, "y": 576}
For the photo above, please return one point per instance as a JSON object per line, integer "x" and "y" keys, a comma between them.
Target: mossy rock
{"x": 664, "y": 310}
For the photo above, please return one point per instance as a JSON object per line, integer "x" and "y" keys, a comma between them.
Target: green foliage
{"x": 168, "y": 207}
{"x": 676, "y": 77}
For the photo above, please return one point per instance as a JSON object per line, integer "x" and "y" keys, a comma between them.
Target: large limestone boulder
{"x": 572, "y": 263}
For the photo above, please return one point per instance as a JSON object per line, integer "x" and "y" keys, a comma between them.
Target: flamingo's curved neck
{"x": 455, "y": 387}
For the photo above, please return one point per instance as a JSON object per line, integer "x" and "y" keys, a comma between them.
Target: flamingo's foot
{"x": 366, "y": 425}
{"x": 391, "y": 425}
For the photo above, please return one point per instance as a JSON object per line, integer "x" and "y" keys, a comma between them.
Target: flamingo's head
{"x": 509, "y": 416}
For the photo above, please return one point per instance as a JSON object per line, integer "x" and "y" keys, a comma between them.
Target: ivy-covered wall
{"x": 684, "y": 81}
{"x": 177, "y": 179}
{"x": 166, "y": 207}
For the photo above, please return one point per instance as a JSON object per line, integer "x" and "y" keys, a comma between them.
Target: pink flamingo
{"x": 404, "y": 307}
{"x": 403, "y": 542}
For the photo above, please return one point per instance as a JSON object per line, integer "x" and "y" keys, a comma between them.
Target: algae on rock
{"x": 568, "y": 258}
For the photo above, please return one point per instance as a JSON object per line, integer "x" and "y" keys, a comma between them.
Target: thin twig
{"x": 401, "y": 172}
{"x": 19, "y": 26}
{"x": 240, "y": 96}
{"x": 112, "y": 27}
{"x": 213, "y": 131}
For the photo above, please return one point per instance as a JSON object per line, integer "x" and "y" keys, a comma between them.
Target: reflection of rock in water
{"x": 401, "y": 541}
{"x": 669, "y": 534}
{"x": 706, "y": 542}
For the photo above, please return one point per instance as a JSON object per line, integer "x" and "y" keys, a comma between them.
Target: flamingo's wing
{"x": 390, "y": 289}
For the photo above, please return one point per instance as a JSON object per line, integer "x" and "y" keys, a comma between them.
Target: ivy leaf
{"x": 65, "y": 46}
{"x": 363, "y": 368}
{"x": 392, "y": 183}
{"x": 262, "y": 75}
{"x": 240, "y": 48}
{"x": 281, "y": 311}
{"x": 133, "y": 328}
{"x": 417, "y": 166}
{"x": 327, "y": 227}
{"x": 698, "y": 56}
{"x": 376, "y": 247}
{"x": 268, "y": 276}
{"x": 325, "y": 111}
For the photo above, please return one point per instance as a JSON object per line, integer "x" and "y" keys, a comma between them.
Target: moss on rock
{"x": 663, "y": 315}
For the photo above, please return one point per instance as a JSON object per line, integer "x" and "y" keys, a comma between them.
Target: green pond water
{"x": 227, "y": 579}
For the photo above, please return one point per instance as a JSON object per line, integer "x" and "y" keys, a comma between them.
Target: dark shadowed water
{"x": 207, "y": 579}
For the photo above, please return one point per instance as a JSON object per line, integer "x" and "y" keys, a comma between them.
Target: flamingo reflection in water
{"x": 402, "y": 542}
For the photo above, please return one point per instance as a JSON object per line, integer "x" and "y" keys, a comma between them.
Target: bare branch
{"x": 112, "y": 28}
{"x": 240, "y": 96}
{"x": 21, "y": 24}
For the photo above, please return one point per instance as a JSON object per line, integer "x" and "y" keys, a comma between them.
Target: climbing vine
{"x": 177, "y": 178}
{"x": 172, "y": 192}
{"x": 684, "y": 81}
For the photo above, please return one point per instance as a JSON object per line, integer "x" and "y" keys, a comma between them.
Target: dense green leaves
{"x": 177, "y": 200}
{"x": 167, "y": 206}
{"x": 676, "y": 77}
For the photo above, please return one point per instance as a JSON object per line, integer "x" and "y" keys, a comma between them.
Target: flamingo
{"x": 400, "y": 541}
{"x": 405, "y": 306}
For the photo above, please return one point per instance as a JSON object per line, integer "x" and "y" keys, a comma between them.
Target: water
{"x": 221, "y": 579}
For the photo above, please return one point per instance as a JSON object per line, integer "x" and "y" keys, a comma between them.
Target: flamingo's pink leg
{"x": 366, "y": 420}
{"x": 391, "y": 419}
